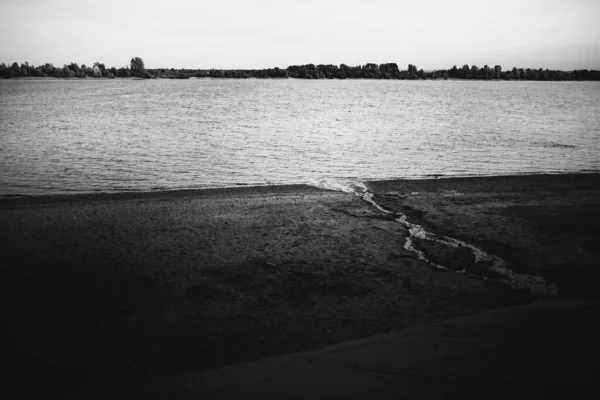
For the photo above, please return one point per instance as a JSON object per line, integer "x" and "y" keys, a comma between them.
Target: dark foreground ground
{"x": 545, "y": 350}
{"x": 112, "y": 289}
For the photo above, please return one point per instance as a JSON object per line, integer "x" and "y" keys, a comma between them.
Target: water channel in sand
{"x": 493, "y": 263}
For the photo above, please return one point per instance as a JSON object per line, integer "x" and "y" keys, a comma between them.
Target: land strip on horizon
{"x": 307, "y": 71}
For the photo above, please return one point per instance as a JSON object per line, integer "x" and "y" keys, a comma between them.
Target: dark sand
{"x": 114, "y": 288}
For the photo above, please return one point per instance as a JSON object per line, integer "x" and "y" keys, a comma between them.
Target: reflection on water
{"x": 66, "y": 136}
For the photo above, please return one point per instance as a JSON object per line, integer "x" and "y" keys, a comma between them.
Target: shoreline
{"x": 17, "y": 200}
{"x": 10, "y": 199}
{"x": 171, "y": 76}
{"x": 116, "y": 288}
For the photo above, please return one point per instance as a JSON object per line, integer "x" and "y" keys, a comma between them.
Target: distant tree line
{"x": 308, "y": 71}
{"x": 487, "y": 73}
{"x": 343, "y": 71}
{"x": 97, "y": 70}
{"x": 391, "y": 71}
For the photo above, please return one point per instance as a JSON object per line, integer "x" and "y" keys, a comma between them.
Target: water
{"x": 81, "y": 136}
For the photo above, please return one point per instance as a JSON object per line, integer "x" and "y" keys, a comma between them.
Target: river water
{"x": 81, "y": 136}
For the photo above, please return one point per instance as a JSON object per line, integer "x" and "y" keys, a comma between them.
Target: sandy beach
{"x": 121, "y": 287}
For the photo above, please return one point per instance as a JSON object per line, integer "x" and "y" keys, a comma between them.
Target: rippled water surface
{"x": 73, "y": 136}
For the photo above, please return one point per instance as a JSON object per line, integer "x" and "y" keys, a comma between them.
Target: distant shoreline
{"x": 307, "y": 71}
{"x": 104, "y": 78}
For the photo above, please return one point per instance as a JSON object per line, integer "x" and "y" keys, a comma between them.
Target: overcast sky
{"x": 555, "y": 34}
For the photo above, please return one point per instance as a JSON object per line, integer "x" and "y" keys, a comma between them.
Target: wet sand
{"x": 543, "y": 225}
{"x": 113, "y": 288}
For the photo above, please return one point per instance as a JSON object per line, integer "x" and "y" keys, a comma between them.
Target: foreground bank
{"x": 117, "y": 288}
{"x": 537, "y": 351}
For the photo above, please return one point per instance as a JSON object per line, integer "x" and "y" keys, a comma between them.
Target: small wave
{"x": 562, "y": 146}
{"x": 553, "y": 145}
{"x": 340, "y": 185}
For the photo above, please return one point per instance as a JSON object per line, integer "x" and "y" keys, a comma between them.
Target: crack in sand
{"x": 519, "y": 281}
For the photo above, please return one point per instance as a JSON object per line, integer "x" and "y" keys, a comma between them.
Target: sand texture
{"x": 120, "y": 287}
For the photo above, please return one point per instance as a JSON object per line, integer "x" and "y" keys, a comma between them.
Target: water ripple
{"x": 62, "y": 136}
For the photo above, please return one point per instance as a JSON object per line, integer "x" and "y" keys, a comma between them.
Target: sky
{"x": 253, "y": 34}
